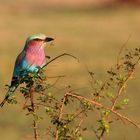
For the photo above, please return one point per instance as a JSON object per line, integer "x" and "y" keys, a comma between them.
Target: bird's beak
{"x": 48, "y": 39}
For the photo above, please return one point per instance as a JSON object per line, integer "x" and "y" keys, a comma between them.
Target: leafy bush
{"x": 68, "y": 113}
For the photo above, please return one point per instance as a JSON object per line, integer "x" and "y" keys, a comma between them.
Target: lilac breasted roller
{"x": 28, "y": 61}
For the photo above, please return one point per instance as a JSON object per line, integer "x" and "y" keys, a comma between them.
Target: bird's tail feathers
{"x": 8, "y": 94}
{"x": 3, "y": 102}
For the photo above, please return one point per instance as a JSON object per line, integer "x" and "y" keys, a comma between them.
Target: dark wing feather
{"x": 20, "y": 57}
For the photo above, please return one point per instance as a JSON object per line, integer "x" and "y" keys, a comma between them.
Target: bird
{"x": 31, "y": 58}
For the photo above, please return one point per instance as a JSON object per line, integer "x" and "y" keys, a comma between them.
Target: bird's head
{"x": 38, "y": 40}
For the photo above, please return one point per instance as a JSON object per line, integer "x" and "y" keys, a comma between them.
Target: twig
{"x": 107, "y": 108}
{"x": 60, "y": 116}
{"x": 49, "y": 131}
{"x": 122, "y": 48}
{"x": 102, "y": 134}
{"x": 84, "y": 98}
{"x": 121, "y": 87}
{"x": 36, "y": 135}
{"x": 76, "y": 115}
{"x": 121, "y": 90}
{"x": 59, "y": 76}
{"x": 79, "y": 125}
{"x": 96, "y": 133}
{"x": 64, "y": 54}
{"x": 56, "y": 81}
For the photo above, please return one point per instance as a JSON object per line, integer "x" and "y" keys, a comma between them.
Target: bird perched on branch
{"x": 28, "y": 61}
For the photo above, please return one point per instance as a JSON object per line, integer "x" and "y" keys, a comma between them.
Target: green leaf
{"x": 80, "y": 138}
{"x": 99, "y": 82}
{"x": 110, "y": 95}
{"x": 122, "y": 104}
{"x": 47, "y": 109}
{"x": 106, "y": 112}
{"x": 104, "y": 125}
{"x": 49, "y": 94}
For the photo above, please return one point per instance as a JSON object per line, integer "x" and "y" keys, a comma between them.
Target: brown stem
{"x": 36, "y": 135}
{"x": 120, "y": 90}
{"x": 102, "y": 135}
{"x": 119, "y": 93}
{"x": 60, "y": 116}
{"x": 64, "y": 54}
{"x": 121, "y": 50}
{"x": 102, "y": 106}
{"x": 79, "y": 125}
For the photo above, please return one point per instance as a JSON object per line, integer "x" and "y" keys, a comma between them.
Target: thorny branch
{"x": 80, "y": 98}
{"x": 122, "y": 86}
{"x": 79, "y": 125}
{"x": 102, "y": 106}
{"x": 64, "y": 54}
{"x": 60, "y": 116}
{"x": 36, "y": 135}
{"x": 121, "y": 50}
{"x": 121, "y": 90}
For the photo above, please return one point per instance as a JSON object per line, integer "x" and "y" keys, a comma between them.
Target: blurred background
{"x": 92, "y": 30}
